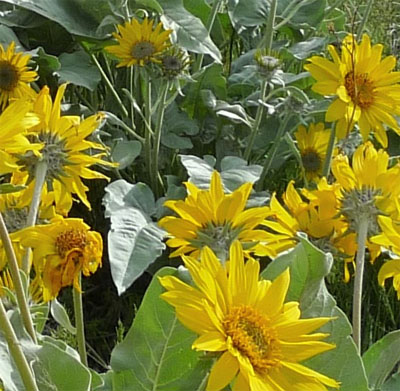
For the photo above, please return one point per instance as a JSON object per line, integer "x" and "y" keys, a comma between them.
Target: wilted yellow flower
{"x": 65, "y": 150}
{"x": 313, "y": 144}
{"x": 215, "y": 219}
{"x": 138, "y": 43}
{"x": 260, "y": 339}
{"x": 61, "y": 251}
{"x": 15, "y": 75}
{"x": 366, "y": 89}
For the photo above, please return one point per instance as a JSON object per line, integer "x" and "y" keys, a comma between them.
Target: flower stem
{"x": 157, "y": 135}
{"x": 209, "y": 25}
{"x": 110, "y": 86}
{"x": 364, "y": 19}
{"x": 329, "y": 153}
{"x": 146, "y": 92}
{"x": 17, "y": 282}
{"x": 358, "y": 280}
{"x": 268, "y": 38}
{"x": 272, "y": 152}
{"x": 16, "y": 352}
{"x": 40, "y": 177}
{"x": 79, "y": 324}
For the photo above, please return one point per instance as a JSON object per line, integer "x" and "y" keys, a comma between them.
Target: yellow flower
{"x": 14, "y": 121}
{"x": 215, "y": 219}
{"x": 15, "y": 75}
{"x": 389, "y": 238}
{"x": 61, "y": 251}
{"x": 138, "y": 43}
{"x": 365, "y": 87}
{"x": 261, "y": 340}
{"x": 65, "y": 150}
{"x": 313, "y": 144}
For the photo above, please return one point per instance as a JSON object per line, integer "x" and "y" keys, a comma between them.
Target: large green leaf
{"x": 308, "y": 267}
{"x": 78, "y": 69}
{"x": 190, "y": 31}
{"x": 156, "y": 353}
{"x": 80, "y": 17}
{"x": 393, "y": 384}
{"x": 134, "y": 241}
{"x": 381, "y": 358}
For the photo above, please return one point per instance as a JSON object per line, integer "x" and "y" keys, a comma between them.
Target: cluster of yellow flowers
{"x": 48, "y": 154}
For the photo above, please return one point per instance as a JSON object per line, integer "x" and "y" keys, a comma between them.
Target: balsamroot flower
{"x": 260, "y": 339}
{"x": 366, "y": 89}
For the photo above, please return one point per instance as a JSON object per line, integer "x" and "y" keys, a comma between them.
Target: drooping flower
{"x": 389, "y": 238}
{"x": 61, "y": 251}
{"x": 15, "y": 75}
{"x": 65, "y": 151}
{"x": 138, "y": 43}
{"x": 215, "y": 219}
{"x": 313, "y": 145}
{"x": 366, "y": 89}
{"x": 260, "y": 339}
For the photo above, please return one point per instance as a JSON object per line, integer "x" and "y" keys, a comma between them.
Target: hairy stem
{"x": 329, "y": 152}
{"x": 79, "y": 324}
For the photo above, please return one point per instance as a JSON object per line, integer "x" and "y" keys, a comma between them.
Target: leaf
{"x": 78, "y": 69}
{"x": 393, "y": 384}
{"x": 60, "y": 315}
{"x": 248, "y": 12}
{"x": 7, "y": 35}
{"x": 308, "y": 267}
{"x": 236, "y": 113}
{"x": 381, "y": 358}
{"x": 125, "y": 152}
{"x": 8, "y": 373}
{"x": 156, "y": 353}
{"x": 304, "y": 49}
{"x": 6, "y": 188}
{"x": 190, "y": 31}
{"x": 134, "y": 241}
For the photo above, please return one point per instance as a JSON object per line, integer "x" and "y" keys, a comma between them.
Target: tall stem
{"x": 272, "y": 152}
{"x": 40, "y": 177}
{"x": 16, "y": 352}
{"x": 157, "y": 135}
{"x": 266, "y": 44}
{"x": 79, "y": 324}
{"x": 110, "y": 86}
{"x": 146, "y": 92}
{"x": 17, "y": 282}
{"x": 364, "y": 19}
{"x": 329, "y": 152}
{"x": 209, "y": 25}
{"x": 358, "y": 280}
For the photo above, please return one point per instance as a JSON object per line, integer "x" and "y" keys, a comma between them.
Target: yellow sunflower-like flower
{"x": 215, "y": 219}
{"x": 65, "y": 151}
{"x": 313, "y": 144}
{"x": 389, "y": 238}
{"x": 14, "y": 121}
{"x": 15, "y": 75}
{"x": 366, "y": 89}
{"x": 138, "y": 43}
{"x": 260, "y": 338}
{"x": 61, "y": 251}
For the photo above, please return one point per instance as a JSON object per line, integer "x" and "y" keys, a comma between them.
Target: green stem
{"x": 329, "y": 152}
{"x": 266, "y": 42}
{"x": 157, "y": 135}
{"x": 364, "y": 19}
{"x": 358, "y": 280}
{"x": 209, "y": 25}
{"x": 40, "y": 177}
{"x": 146, "y": 92}
{"x": 110, "y": 86}
{"x": 257, "y": 121}
{"x": 16, "y": 277}
{"x": 16, "y": 352}
{"x": 272, "y": 152}
{"x": 79, "y": 324}
{"x": 289, "y": 12}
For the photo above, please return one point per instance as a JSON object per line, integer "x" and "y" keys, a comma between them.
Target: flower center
{"x": 358, "y": 204}
{"x": 253, "y": 337}
{"x": 143, "y": 50}
{"x": 360, "y": 89}
{"x": 8, "y": 76}
{"x": 73, "y": 239}
{"x": 311, "y": 160}
{"x": 171, "y": 63}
